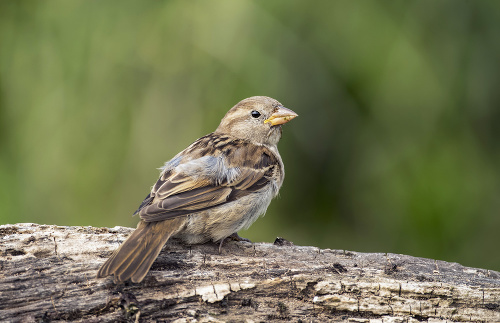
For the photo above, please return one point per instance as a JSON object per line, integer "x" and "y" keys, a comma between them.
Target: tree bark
{"x": 47, "y": 273}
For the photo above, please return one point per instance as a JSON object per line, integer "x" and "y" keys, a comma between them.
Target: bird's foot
{"x": 233, "y": 237}
{"x": 236, "y": 237}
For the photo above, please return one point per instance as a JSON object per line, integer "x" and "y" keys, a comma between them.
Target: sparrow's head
{"x": 257, "y": 119}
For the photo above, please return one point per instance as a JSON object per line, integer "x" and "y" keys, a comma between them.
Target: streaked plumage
{"x": 217, "y": 186}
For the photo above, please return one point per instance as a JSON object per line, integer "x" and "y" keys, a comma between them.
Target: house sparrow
{"x": 214, "y": 188}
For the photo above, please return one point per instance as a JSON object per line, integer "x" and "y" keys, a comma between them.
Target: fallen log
{"x": 47, "y": 274}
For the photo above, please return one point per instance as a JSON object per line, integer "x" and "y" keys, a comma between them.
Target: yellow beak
{"x": 281, "y": 116}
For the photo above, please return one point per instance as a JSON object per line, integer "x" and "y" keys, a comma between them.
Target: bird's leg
{"x": 220, "y": 245}
{"x": 234, "y": 237}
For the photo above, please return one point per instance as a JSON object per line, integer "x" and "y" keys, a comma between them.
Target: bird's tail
{"x": 135, "y": 256}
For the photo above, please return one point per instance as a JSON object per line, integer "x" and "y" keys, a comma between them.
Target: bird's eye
{"x": 255, "y": 114}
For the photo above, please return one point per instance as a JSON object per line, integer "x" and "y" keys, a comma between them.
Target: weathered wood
{"x": 48, "y": 274}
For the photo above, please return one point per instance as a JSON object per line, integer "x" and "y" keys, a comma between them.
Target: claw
{"x": 236, "y": 237}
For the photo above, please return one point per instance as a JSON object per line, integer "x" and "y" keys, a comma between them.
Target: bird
{"x": 217, "y": 186}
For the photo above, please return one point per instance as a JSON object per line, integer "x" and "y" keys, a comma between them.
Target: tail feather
{"x": 133, "y": 259}
{"x": 122, "y": 254}
{"x": 144, "y": 267}
{"x": 136, "y": 267}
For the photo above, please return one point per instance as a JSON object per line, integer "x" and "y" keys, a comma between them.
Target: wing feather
{"x": 207, "y": 174}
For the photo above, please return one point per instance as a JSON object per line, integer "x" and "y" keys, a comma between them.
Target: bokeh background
{"x": 396, "y": 147}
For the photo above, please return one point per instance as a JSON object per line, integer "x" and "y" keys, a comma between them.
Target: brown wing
{"x": 212, "y": 171}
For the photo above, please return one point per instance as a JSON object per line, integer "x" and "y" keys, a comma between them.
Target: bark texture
{"x": 47, "y": 274}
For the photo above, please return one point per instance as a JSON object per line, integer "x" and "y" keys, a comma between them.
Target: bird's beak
{"x": 281, "y": 116}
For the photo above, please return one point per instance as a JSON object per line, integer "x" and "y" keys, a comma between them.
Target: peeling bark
{"x": 47, "y": 273}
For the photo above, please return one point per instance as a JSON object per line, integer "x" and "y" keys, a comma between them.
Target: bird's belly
{"x": 222, "y": 221}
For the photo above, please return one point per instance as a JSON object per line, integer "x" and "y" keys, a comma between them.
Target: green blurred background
{"x": 396, "y": 147}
